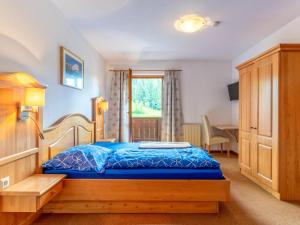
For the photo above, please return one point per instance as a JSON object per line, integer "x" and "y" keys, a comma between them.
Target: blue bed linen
{"x": 80, "y": 158}
{"x": 128, "y": 155}
{"x": 208, "y": 174}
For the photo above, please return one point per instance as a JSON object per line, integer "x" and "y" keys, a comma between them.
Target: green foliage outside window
{"x": 146, "y": 97}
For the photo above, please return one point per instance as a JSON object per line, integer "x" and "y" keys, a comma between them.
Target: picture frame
{"x": 71, "y": 69}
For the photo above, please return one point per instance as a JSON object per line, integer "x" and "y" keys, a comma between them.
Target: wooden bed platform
{"x": 124, "y": 195}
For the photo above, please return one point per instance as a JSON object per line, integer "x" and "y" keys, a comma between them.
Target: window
{"x": 146, "y": 97}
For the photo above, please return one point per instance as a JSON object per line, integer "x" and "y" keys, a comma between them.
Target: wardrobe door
{"x": 264, "y": 132}
{"x": 245, "y": 115}
{"x": 254, "y": 116}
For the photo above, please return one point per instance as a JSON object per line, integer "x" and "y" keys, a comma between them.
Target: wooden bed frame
{"x": 124, "y": 195}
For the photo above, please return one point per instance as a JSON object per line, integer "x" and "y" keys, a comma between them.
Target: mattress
{"x": 208, "y": 174}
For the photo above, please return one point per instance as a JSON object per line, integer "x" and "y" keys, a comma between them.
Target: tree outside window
{"x": 146, "y": 97}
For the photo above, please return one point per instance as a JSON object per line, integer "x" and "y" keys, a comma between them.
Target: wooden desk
{"x": 32, "y": 193}
{"x": 230, "y": 129}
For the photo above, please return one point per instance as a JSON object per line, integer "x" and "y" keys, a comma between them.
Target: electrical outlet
{"x": 4, "y": 182}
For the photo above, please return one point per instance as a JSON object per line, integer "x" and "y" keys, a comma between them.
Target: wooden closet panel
{"x": 245, "y": 96}
{"x": 263, "y": 150}
{"x": 246, "y": 153}
{"x": 254, "y": 98}
{"x": 264, "y": 68}
{"x": 289, "y": 125}
{"x": 264, "y": 163}
{"x": 244, "y": 144}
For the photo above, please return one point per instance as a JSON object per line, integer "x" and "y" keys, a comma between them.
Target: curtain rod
{"x": 146, "y": 70}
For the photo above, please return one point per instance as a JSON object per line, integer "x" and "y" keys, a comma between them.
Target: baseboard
{"x": 225, "y": 152}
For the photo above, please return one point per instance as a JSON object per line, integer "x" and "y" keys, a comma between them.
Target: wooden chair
{"x": 212, "y": 139}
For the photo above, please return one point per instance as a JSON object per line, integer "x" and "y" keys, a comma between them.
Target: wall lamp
{"x": 34, "y": 98}
{"x": 102, "y": 106}
{"x": 33, "y": 94}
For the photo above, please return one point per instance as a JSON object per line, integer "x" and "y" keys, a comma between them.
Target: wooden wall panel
{"x": 16, "y": 137}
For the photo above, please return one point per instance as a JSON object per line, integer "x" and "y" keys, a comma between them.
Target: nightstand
{"x": 107, "y": 140}
{"x": 32, "y": 193}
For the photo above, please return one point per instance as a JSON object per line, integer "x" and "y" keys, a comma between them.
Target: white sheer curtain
{"x": 118, "y": 115}
{"x": 172, "y": 118}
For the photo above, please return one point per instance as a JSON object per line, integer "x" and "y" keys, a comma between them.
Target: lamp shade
{"x": 103, "y": 105}
{"x": 34, "y": 97}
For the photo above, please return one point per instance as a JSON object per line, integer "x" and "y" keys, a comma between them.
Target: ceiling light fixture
{"x": 193, "y": 23}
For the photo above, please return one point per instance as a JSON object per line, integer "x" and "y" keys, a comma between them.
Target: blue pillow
{"x": 80, "y": 158}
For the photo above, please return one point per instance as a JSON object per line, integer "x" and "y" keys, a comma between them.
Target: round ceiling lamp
{"x": 192, "y": 23}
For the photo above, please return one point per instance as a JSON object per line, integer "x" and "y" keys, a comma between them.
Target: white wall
{"x": 31, "y": 32}
{"x": 289, "y": 33}
{"x": 204, "y": 87}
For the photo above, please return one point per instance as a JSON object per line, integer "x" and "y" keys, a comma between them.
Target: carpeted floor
{"x": 249, "y": 205}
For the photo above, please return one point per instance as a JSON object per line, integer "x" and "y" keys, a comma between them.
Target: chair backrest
{"x": 207, "y": 129}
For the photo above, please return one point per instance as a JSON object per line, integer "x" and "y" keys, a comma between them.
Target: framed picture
{"x": 71, "y": 69}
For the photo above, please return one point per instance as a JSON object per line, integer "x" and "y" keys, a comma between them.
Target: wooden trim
{"x": 144, "y": 190}
{"x": 130, "y": 103}
{"x": 143, "y": 70}
{"x": 60, "y": 121}
{"x": 147, "y": 118}
{"x": 131, "y": 207}
{"x": 277, "y": 48}
{"x": 147, "y": 76}
{"x": 19, "y": 79}
{"x": 15, "y": 157}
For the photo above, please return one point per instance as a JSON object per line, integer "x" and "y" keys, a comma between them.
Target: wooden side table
{"x": 32, "y": 193}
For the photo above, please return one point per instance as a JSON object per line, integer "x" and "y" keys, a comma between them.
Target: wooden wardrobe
{"x": 269, "y": 139}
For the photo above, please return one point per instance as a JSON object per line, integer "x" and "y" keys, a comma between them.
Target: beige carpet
{"x": 249, "y": 205}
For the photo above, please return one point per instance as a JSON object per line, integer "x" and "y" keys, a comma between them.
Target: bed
{"x": 135, "y": 170}
{"x": 132, "y": 190}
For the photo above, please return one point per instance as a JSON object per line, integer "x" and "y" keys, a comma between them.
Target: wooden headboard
{"x": 69, "y": 131}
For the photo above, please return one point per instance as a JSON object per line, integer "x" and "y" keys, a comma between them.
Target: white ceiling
{"x": 143, "y": 29}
